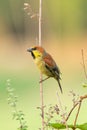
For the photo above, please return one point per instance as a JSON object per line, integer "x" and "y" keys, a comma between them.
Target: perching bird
{"x": 45, "y": 63}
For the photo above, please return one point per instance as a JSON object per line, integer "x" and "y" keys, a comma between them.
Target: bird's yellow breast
{"x": 41, "y": 65}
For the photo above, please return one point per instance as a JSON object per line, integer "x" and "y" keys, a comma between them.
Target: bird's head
{"x": 36, "y": 51}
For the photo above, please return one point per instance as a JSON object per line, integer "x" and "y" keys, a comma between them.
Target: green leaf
{"x": 57, "y": 125}
{"x": 82, "y": 126}
{"x": 62, "y": 126}
{"x": 84, "y": 85}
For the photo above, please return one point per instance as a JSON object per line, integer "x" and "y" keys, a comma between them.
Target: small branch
{"x": 83, "y": 97}
{"x": 80, "y": 100}
{"x": 71, "y": 111}
{"x": 77, "y": 114}
{"x": 84, "y": 67}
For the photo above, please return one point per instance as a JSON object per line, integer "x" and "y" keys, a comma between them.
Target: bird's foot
{"x": 43, "y": 79}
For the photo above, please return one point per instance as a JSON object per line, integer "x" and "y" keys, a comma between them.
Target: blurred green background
{"x": 64, "y": 30}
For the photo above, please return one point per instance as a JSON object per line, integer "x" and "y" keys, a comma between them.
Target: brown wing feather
{"x": 51, "y": 64}
{"x": 52, "y": 67}
{"x": 49, "y": 60}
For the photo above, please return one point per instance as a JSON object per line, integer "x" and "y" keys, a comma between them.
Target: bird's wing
{"x": 49, "y": 60}
{"x": 51, "y": 65}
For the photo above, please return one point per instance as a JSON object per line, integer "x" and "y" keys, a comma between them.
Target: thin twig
{"x": 71, "y": 111}
{"x": 42, "y": 102}
{"x": 80, "y": 100}
{"x": 84, "y": 67}
{"x": 41, "y": 85}
{"x": 77, "y": 114}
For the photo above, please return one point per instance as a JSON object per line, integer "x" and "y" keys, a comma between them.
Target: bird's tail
{"x": 59, "y": 85}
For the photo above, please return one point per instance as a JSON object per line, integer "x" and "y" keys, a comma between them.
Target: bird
{"x": 45, "y": 63}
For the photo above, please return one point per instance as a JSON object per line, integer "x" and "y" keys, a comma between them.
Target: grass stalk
{"x": 40, "y": 44}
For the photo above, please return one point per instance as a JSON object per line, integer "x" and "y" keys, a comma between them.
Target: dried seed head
{"x": 26, "y": 4}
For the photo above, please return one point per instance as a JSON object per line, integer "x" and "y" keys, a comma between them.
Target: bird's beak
{"x": 29, "y": 49}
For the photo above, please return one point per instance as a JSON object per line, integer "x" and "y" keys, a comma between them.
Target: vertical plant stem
{"x": 77, "y": 114}
{"x": 41, "y": 85}
{"x": 84, "y": 66}
{"x": 40, "y": 21}
{"x": 42, "y": 102}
